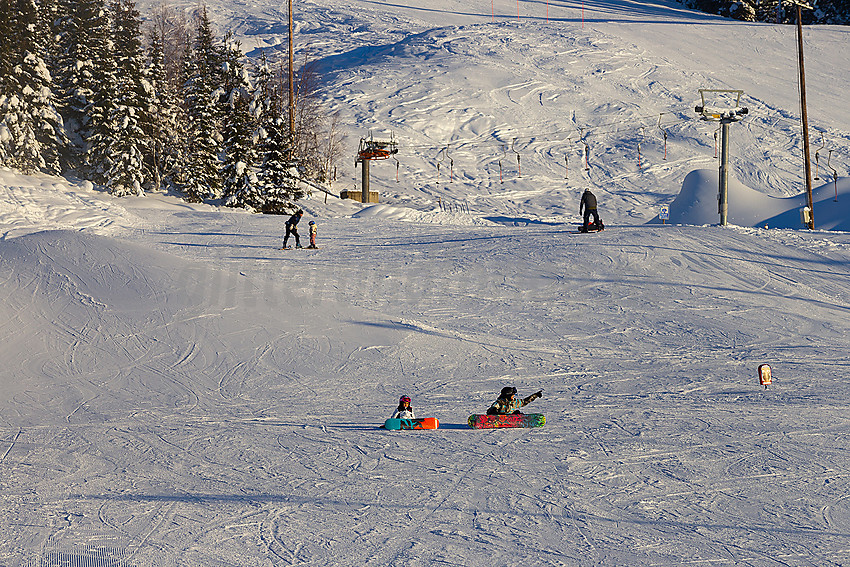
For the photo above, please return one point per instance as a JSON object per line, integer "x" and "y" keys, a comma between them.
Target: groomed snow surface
{"x": 176, "y": 391}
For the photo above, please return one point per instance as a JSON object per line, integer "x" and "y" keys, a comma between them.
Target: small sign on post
{"x": 764, "y": 375}
{"x": 664, "y": 214}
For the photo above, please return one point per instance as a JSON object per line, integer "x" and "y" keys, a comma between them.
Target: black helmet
{"x": 508, "y": 391}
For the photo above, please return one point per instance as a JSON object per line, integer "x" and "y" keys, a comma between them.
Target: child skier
{"x": 313, "y": 231}
{"x": 403, "y": 411}
{"x": 508, "y": 403}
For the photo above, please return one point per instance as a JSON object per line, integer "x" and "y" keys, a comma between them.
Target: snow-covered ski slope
{"x": 174, "y": 390}
{"x": 473, "y": 84}
{"x": 183, "y": 393}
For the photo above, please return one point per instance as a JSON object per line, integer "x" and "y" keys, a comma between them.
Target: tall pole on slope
{"x": 806, "y": 156}
{"x": 725, "y": 116}
{"x": 723, "y": 202}
{"x": 291, "y": 83}
{"x": 364, "y": 181}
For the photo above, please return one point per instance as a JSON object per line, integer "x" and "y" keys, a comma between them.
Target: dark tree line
{"x": 823, "y": 12}
{"x": 85, "y": 87}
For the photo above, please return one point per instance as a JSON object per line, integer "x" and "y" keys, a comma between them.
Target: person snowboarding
{"x": 507, "y": 402}
{"x": 588, "y": 207}
{"x": 313, "y": 231}
{"x": 292, "y": 228}
{"x": 403, "y": 411}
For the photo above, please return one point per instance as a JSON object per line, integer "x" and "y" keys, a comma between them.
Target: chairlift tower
{"x": 369, "y": 150}
{"x": 725, "y": 116}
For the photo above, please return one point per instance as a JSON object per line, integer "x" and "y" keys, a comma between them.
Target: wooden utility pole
{"x": 291, "y": 81}
{"x": 806, "y": 158}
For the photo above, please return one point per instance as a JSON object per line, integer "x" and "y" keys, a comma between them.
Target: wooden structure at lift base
{"x": 369, "y": 150}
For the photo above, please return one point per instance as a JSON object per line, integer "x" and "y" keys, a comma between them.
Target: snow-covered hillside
{"x": 473, "y": 84}
{"x": 175, "y": 390}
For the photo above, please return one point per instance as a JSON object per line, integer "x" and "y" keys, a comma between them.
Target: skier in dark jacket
{"x": 587, "y": 207}
{"x": 292, "y": 228}
{"x": 507, "y": 402}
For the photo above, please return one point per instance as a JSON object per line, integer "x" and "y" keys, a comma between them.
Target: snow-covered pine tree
{"x": 51, "y": 14}
{"x": 132, "y": 112}
{"x": 832, "y": 11}
{"x": 279, "y": 173}
{"x": 96, "y": 94}
{"x": 240, "y": 184}
{"x": 202, "y": 70}
{"x": 47, "y": 122}
{"x": 59, "y": 25}
{"x": 8, "y": 86}
{"x": 263, "y": 99}
{"x": 66, "y": 74}
{"x": 167, "y": 129}
{"x": 52, "y": 133}
{"x": 278, "y": 170}
{"x": 9, "y": 101}
{"x": 31, "y": 130}
{"x": 82, "y": 33}
{"x": 824, "y": 11}
{"x": 8, "y": 23}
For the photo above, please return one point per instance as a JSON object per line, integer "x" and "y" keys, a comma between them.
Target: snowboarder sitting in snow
{"x": 508, "y": 403}
{"x": 586, "y": 208}
{"x": 403, "y": 411}
{"x": 292, "y": 228}
{"x": 313, "y": 231}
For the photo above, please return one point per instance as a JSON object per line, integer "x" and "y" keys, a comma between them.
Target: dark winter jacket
{"x": 292, "y": 223}
{"x": 588, "y": 201}
{"x": 504, "y": 406}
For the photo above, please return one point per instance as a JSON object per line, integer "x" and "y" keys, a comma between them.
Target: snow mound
{"x": 28, "y": 203}
{"x": 697, "y": 204}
